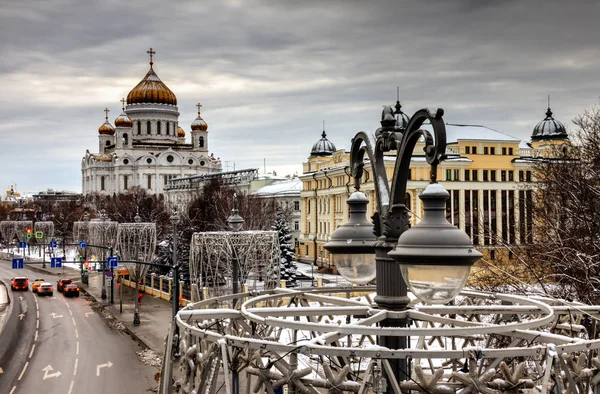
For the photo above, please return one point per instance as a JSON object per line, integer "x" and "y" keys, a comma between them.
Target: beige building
{"x": 487, "y": 173}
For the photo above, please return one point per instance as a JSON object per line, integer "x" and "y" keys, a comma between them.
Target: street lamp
{"x": 434, "y": 257}
{"x": 138, "y": 269}
{"x": 174, "y": 221}
{"x": 235, "y": 222}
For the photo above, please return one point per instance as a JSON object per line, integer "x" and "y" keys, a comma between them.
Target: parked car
{"x": 19, "y": 283}
{"x": 45, "y": 289}
{"x": 71, "y": 290}
{"x": 61, "y": 283}
{"x": 36, "y": 283}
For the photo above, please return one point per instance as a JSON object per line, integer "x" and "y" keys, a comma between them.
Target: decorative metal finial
{"x": 323, "y": 125}
{"x": 106, "y": 111}
{"x": 151, "y": 52}
{"x": 548, "y": 101}
{"x": 398, "y": 93}
{"x": 199, "y": 106}
{"x": 123, "y": 101}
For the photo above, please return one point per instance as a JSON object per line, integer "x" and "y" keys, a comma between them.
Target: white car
{"x": 45, "y": 289}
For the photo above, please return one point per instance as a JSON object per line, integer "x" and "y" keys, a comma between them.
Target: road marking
{"x": 50, "y": 375}
{"x": 77, "y": 351}
{"x": 71, "y": 312}
{"x": 55, "y": 315}
{"x": 74, "y": 321}
{"x": 76, "y": 334}
{"x": 75, "y": 369}
{"x": 21, "y": 298}
{"x": 38, "y": 313}
{"x": 21, "y": 316}
{"x": 35, "y": 339}
{"x": 71, "y": 386}
{"x": 31, "y": 352}
{"x": 23, "y": 371}
{"x": 88, "y": 313}
{"x": 106, "y": 365}
{"x": 13, "y": 390}
{"x": 37, "y": 323}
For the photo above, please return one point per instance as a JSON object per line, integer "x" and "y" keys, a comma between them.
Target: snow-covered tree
{"x": 287, "y": 265}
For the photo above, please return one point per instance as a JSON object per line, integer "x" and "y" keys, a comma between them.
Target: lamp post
{"x": 103, "y": 217}
{"x": 432, "y": 258}
{"x": 174, "y": 221}
{"x": 136, "y": 310}
{"x": 235, "y": 222}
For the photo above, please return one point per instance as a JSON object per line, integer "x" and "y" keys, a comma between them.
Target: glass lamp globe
{"x": 352, "y": 244}
{"x": 435, "y": 257}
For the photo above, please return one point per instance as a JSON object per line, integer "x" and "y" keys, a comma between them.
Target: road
{"x": 60, "y": 345}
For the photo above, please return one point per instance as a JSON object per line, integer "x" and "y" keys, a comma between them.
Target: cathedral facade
{"x": 146, "y": 147}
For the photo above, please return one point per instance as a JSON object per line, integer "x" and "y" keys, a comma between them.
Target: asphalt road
{"x": 60, "y": 345}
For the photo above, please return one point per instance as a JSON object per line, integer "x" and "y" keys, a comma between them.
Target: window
{"x": 474, "y": 175}
{"x": 125, "y": 182}
{"x": 107, "y": 143}
{"x": 510, "y": 151}
{"x": 170, "y": 158}
{"x": 485, "y": 150}
{"x": 101, "y": 183}
{"x": 528, "y": 176}
{"x": 521, "y": 176}
{"x": 139, "y": 127}
{"x": 168, "y": 128}
{"x": 456, "y": 175}
{"x": 493, "y": 175}
{"x": 503, "y": 176}
{"x": 202, "y": 163}
{"x": 474, "y": 150}
{"x": 485, "y": 175}
{"x": 125, "y": 139}
{"x": 125, "y": 161}
{"x": 158, "y": 127}
{"x": 492, "y": 150}
{"x": 149, "y": 182}
{"x": 467, "y": 150}
{"x": 511, "y": 176}
{"x": 467, "y": 175}
{"x": 448, "y": 175}
{"x": 504, "y": 151}
{"x": 201, "y": 142}
{"x": 148, "y": 128}
{"x": 296, "y": 226}
{"x": 149, "y": 160}
{"x": 190, "y": 161}
{"x": 296, "y": 206}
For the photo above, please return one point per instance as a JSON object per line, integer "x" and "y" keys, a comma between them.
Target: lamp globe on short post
{"x": 435, "y": 257}
{"x": 352, "y": 244}
{"x": 235, "y": 222}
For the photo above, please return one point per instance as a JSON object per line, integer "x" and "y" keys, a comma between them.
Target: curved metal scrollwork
{"x": 392, "y": 215}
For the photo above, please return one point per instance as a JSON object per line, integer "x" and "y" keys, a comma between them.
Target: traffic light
{"x": 28, "y": 233}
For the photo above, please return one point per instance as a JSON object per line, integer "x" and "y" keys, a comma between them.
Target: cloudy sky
{"x": 269, "y": 72}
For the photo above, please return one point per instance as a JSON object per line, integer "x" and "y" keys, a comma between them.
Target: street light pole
{"x": 112, "y": 278}
{"x": 175, "y": 220}
{"x": 103, "y": 265}
{"x": 353, "y": 243}
{"x": 138, "y": 269}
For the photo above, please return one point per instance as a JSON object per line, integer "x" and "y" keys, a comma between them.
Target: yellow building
{"x": 487, "y": 173}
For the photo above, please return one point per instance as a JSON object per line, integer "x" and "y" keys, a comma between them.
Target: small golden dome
{"x": 106, "y": 128}
{"x": 151, "y": 90}
{"x": 180, "y": 133}
{"x": 104, "y": 158}
{"x": 199, "y": 124}
{"x": 123, "y": 121}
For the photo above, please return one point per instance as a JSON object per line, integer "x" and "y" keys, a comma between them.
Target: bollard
{"x": 319, "y": 282}
{"x": 205, "y": 293}
{"x": 282, "y": 283}
{"x": 152, "y": 282}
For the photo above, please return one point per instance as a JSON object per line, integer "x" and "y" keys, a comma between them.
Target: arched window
{"x": 149, "y": 182}
{"x": 125, "y": 182}
{"x": 139, "y": 127}
{"x": 101, "y": 183}
{"x": 201, "y": 142}
{"x": 107, "y": 143}
{"x": 158, "y": 127}
{"x": 125, "y": 139}
{"x": 148, "y": 127}
{"x": 168, "y": 128}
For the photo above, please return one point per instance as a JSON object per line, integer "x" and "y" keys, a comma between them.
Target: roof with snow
{"x": 284, "y": 188}
{"x": 458, "y": 132}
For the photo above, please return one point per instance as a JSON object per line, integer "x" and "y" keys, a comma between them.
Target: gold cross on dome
{"x": 106, "y": 111}
{"x": 123, "y": 101}
{"x": 199, "y": 106}
{"x": 151, "y": 52}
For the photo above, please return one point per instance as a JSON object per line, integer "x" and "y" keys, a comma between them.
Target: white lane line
{"x": 75, "y": 369}
{"x": 37, "y": 323}
{"x": 74, "y": 321}
{"x": 77, "y": 351}
{"x": 31, "y": 352}
{"x": 71, "y": 312}
{"x": 66, "y": 303}
{"x": 71, "y": 386}
{"x": 76, "y": 334}
{"x": 23, "y": 371}
{"x": 37, "y": 313}
{"x": 35, "y": 339}
{"x": 13, "y": 390}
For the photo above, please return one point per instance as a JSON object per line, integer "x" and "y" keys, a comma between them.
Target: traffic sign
{"x": 18, "y": 264}
{"x": 39, "y": 234}
{"x": 56, "y": 262}
{"x": 53, "y": 244}
{"x": 113, "y": 262}
{"x": 82, "y": 244}
{"x": 22, "y": 244}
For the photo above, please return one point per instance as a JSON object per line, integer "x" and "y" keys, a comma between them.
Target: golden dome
{"x": 106, "y": 128}
{"x": 104, "y": 158}
{"x": 123, "y": 121}
{"x": 180, "y": 132}
{"x": 199, "y": 124}
{"x": 151, "y": 90}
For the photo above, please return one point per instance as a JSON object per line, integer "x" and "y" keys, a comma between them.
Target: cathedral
{"x": 146, "y": 147}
